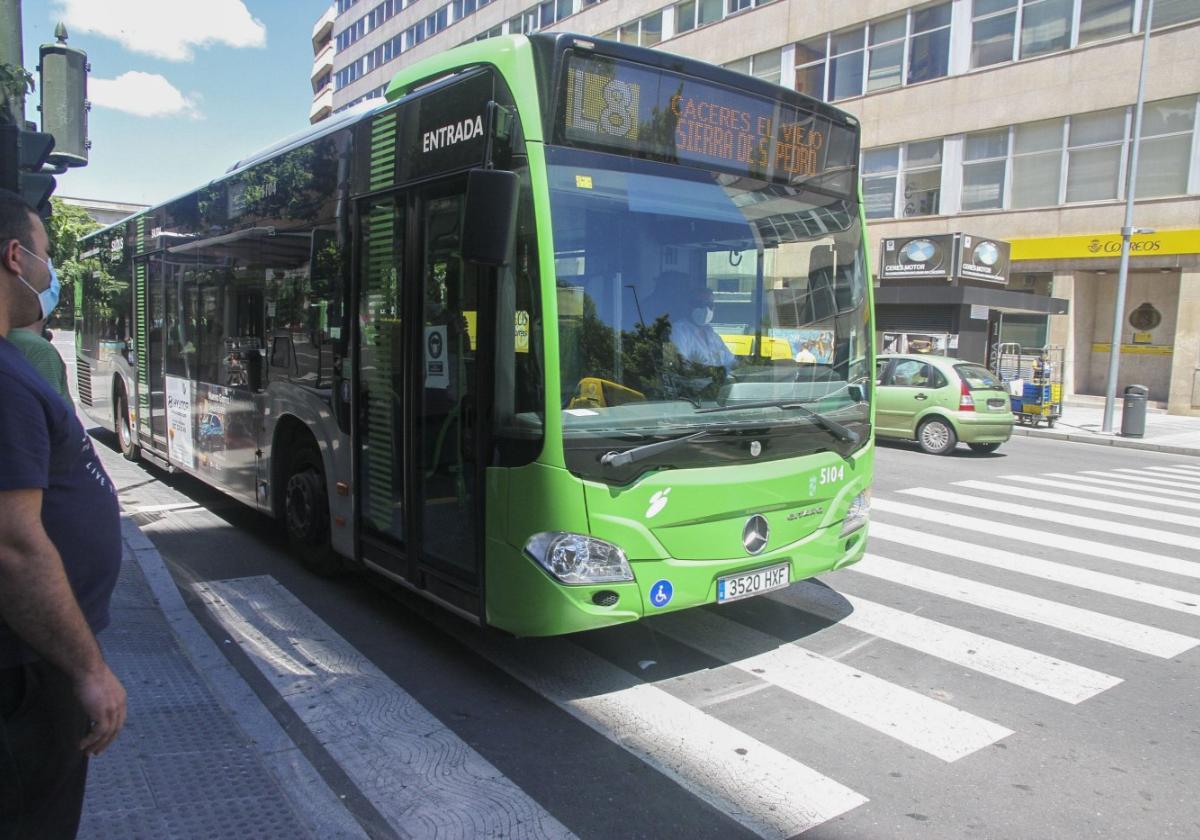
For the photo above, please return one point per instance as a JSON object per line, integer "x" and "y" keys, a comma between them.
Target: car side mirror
{"x": 490, "y": 218}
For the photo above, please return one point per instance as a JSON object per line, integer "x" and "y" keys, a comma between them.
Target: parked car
{"x": 938, "y": 401}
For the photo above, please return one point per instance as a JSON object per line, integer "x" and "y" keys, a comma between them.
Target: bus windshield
{"x": 691, "y": 300}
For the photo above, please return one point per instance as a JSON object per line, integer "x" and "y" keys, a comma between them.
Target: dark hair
{"x": 16, "y": 219}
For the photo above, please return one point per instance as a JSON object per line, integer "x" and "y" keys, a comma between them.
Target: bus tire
{"x": 126, "y": 438}
{"x": 306, "y": 515}
{"x": 937, "y": 437}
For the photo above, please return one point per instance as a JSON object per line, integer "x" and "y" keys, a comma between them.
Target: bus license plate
{"x": 747, "y": 584}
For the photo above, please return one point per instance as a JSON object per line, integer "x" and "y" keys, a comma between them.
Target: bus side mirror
{"x": 490, "y": 223}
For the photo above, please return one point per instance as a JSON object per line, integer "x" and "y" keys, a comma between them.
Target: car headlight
{"x": 578, "y": 559}
{"x": 857, "y": 515}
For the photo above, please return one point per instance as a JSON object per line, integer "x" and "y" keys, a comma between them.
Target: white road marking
{"x": 1090, "y": 523}
{"x": 417, "y": 773}
{"x": 1138, "y": 477}
{"x": 1035, "y": 671}
{"x": 901, "y": 713}
{"x": 1131, "y": 590}
{"x": 1186, "y": 475}
{"x": 1078, "y": 486}
{"x": 1094, "y": 625}
{"x": 1120, "y": 481}
{"x": 1088, "y": 504}
{"x": 766, "y": 791}
{"x": 1048, "y": 539}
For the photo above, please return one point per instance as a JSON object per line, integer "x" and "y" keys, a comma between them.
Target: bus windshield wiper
{"x": 648, "y": 450}
{"x": 832, "y": 426}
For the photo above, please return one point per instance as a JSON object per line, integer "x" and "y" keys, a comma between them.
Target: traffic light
{"x": 22, "y": 156}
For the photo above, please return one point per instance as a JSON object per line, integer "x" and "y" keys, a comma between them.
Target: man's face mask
{"x": 48, "y": 297}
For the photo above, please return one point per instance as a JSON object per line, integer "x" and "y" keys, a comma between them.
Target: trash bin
{"x": 1133, "y": 411}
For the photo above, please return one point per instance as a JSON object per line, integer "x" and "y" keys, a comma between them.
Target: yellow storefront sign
{"x": 1135, "y": 349}
{"x": 1107, "y": 245}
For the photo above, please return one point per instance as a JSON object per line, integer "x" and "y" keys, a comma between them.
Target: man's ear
{"x": 8, "y": 256}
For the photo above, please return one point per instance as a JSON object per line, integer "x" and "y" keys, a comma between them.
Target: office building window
{"x": 846, "y": 63}
{"x": 886, "y": 53}
{"x": 763, "y": 65}
{"x": 810, "y": 66}
{"x": 1094, "y": 155}
{"x": 1099, "y": 19}
{"x": 929, "y": 48}
{"x": 1045, "y": 26}
{"x": 1166, "y": 147}
{"x": 1037, "y": 163}
{"x": 993, "y": 23}
{"x": 695, "y": 13}
{"x": 1171, "y": 12}
{"x": 915, "y": 167}
{"x": 985, "y": 158}
{"x": 645, "y": 32}
{"x": 879, "y": 170}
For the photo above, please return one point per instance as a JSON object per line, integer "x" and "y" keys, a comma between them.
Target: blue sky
{"x": 180, "y": 88}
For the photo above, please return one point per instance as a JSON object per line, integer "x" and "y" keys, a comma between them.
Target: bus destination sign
{"x": 665, "y": 115}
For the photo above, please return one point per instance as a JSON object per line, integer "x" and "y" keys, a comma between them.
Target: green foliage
{"x": 67, "y": 226}
{"x": 15, "y": 81}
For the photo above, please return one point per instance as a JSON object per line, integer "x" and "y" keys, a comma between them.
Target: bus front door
{"x": 418, "y": 447}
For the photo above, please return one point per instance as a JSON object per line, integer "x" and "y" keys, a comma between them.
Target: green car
{"x": 939, "y": 401}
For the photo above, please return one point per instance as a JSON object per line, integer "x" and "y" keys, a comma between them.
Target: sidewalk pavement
{"x": 1082, "y": 420}
{"x": 200, "y": 756}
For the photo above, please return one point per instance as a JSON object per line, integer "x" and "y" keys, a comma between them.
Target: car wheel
{"x": 937, "y": 437}
{"x": 306, "y": 515}
{"x": 983, "y": 447}
{"x": 125, "y": 437}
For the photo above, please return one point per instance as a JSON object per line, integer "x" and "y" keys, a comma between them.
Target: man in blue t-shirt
{"x": 60, "y": 551}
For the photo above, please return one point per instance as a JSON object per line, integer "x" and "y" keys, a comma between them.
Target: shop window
{"x": 1094, "y": 155}
{"x": 1037, "y": 163}
{"x": 1165, "y": 151}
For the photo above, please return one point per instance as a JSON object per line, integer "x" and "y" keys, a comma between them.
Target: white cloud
{"x": 167, "y": 29}
{"x": 141, "y": 94}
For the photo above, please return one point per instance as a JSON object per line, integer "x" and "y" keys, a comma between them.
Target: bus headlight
{"x": 857, "y": 515}
{"x": 578, "y": 559}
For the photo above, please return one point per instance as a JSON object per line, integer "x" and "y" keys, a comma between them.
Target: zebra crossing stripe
{"x": 418, "y": 774}
{"x": 1109, "y": 480}
{"x": 1034, "y": 671}
{"x": 768, "y": 792}
{"x": 1184, "y": 474}
{"x": 1089, "y": 522}
{"x": 1194, "y": 470}
{"x": 1089, "y": 504}
{"x": 1111, "y": 492}
{"x": 901, "y": 713}
{"x": 1094, "y": 625}
{"x": 1139, "y": 478}
{"x": 1131, "y": 590}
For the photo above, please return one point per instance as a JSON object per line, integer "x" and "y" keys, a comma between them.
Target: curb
{"x": 1115, "y": 441}
{"x": 311, "y": 798}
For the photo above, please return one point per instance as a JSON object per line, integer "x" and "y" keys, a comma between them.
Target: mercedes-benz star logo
{"x": 755, "y": 534}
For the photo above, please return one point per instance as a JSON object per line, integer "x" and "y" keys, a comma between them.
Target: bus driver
{"x": 692, "y": 332}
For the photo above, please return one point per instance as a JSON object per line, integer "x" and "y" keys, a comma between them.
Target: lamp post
{"x": 1127, "y": 231}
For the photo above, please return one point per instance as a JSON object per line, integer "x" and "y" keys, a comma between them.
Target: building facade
{"x": 103, "y": 212}
{"x": 321, "y": 76}
{"x": 1007, "y": 119}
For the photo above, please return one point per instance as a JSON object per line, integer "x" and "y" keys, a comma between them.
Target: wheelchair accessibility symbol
{"x": 661, "y": 592}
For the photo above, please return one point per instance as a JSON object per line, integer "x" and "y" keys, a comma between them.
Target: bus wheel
{"x": 125, "y": 436}
{"x": 306, "y": 515}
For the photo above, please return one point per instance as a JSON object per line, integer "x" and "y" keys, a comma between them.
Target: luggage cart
{"x": 1040, "y": 374}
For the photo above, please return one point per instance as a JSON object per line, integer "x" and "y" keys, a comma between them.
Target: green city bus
{"x": 561, "y": 333}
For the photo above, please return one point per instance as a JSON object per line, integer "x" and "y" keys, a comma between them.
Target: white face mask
{"x": 702, "y": 315}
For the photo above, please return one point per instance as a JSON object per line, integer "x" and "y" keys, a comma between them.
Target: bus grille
{"x": 83, "y": 379}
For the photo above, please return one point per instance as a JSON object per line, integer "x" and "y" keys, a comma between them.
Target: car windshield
{"x": 977, "y": 377}
{"x": 681, "y": 291}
